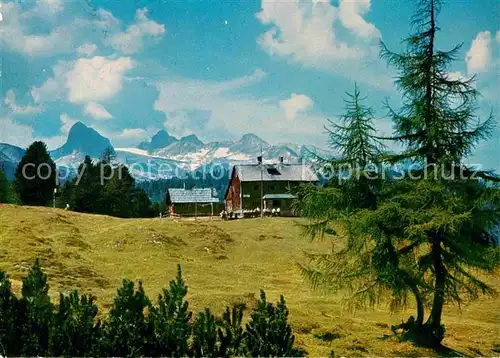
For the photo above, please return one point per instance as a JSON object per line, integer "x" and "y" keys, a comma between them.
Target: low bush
{"x": 32, "y": 325}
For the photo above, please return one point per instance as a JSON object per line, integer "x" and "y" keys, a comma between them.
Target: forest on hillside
{"x": 156, "y": 189}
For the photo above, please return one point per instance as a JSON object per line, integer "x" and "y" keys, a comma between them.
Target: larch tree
{"x": 363, "y": 260}
{"x": 353, "y": 138}
{"x": 349, "y": 187}
{"x": 450, "y": 232}
{"x": 437, "y": 122}
{"x": 429, "y": 233}
{"x": 360, "y": 151}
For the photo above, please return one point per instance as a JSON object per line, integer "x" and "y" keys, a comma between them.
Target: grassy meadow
{"x": 223, "y": 263}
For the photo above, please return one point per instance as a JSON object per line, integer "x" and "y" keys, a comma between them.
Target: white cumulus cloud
{"x": 18, "y": 36}
{"x": 10, "y": 102}
{"x": 303, "y": 31}
{"x": 322, "y": 36}
{"x": 207, "y": 107}
{"x": 97, "y": 78}
{"x": 478, "y": 58}
{"x": 456, "y": 76}
{"x": 131, "y": 40}
{"x": 70, "y": 29}
{"x": 350, "y": 14}
{"x": 295, "y": 104}
{"x": 21, "y": 135}
{"x": 128, "y": 137}
{"x": 87, "y": 49}
{"x": 134, "y": 133}
{"x": 15, "y": 133}
{"x": 49, "y": 7}
{"x": 131, "y": 136}
{"x": 306, "y": 32}
{"x": 97, "y": 111}
{"x": 66, "y": 123}
{"x": 84, "y": 80}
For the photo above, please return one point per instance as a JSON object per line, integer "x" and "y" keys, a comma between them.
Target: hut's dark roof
{"x": 279, "y": 196}
{"x": 184, "y": 196}
{"x": 276, "y": 172}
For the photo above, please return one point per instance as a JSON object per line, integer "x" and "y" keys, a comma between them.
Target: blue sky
{"x": 219, "y": 69}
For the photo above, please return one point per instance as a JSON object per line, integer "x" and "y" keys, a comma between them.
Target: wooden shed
{"x": 192, "y": 202}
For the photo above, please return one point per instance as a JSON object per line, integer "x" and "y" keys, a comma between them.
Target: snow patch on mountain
{"x": 165, "y": 156}
{"x": 226, "y": 153}
{"x": 136, "y": 151}
{"x": 72, "y": 160}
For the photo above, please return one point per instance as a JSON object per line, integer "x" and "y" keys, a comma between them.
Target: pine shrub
{"x": 35, "y": 312}
{"x": 205, "y": 335}
{"x": 231, "y": 332}
{"x": 125, "y": 331}
{"x": 268, "y": 333}
{"x": 9, "y": 320}
{"x": 75, "y": 330}
{"x": 171, "y": 320}
{"x": 134, "y": 327}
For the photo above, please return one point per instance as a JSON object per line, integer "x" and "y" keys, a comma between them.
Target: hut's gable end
{"x": 233, "y": 193}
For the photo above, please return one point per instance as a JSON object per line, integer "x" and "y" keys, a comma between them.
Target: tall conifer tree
{"x": 5, "y": 196}
{"x": 354, "y": 136}
{"x": 437, "y": 122}
{"x": 430, "y": 233}
{"x": 367, "y": 268}
{"x": 360, "y": 151}
{"x": 35, "y": 176}
{"x": 439, "y": 128}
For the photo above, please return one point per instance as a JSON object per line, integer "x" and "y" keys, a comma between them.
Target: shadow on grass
{"x": 444, "y": 351}
{"x": 327, "y": 336}
{"x": 409, "y": 332}
{"x": 441, "y": 350}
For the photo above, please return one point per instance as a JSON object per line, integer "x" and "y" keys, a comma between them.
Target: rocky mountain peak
{"x": 84, "y": 140}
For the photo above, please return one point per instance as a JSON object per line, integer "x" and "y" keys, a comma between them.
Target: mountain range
{"x": 163, "y": 155}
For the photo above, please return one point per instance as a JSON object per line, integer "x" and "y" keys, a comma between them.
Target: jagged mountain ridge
{"x": 187, "y": 144}
{"x": 164, "y": 155}
{"x": 248, "y": 148}
{"x": 249, "y": 144}
{"x": 160, "y": 140}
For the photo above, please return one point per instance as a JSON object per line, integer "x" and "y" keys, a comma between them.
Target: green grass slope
{"x": 223, "y": 263}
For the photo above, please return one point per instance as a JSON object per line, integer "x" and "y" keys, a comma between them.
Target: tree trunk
{"x": 429, "y": 96}
{"x": 434, "y": 321}
{"x": 420, "y": 306}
